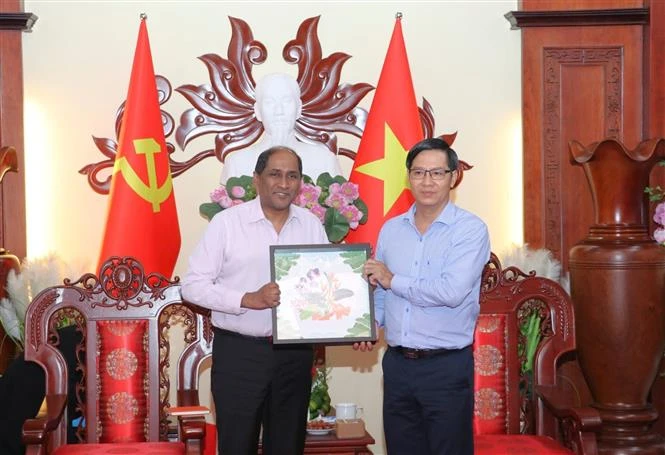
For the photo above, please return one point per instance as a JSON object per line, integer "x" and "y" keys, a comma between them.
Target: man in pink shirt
{"x": 254, "y": 382}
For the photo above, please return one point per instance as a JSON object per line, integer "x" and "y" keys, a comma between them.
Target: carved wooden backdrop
{"x": 223, "y": 107}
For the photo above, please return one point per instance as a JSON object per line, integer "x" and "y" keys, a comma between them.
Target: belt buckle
{"x": 410, "y": 353}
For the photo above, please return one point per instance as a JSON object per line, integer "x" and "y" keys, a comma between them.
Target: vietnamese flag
{"x": 393, "y": 127}
{"x": 142, "y": 219}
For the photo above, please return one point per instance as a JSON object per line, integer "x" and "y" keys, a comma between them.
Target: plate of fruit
{"x": 321, "y": 426}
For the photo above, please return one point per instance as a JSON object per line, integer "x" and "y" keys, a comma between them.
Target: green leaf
{"x": 339, "y": 179}
{"x": 356, "y": 259}
{"x": 361, "y": 328}
{"x": 324, "y": 180}
{"x": 244, "y": 181}
{"x": 209, "y": 209}
{"x": 306, "y": 314}
{"x": 307, "y": 179}
{"x": 360, "y": 205}
{"x": 336, "y": 225}
{"x": 284, "y": 262}
{"x": 531, "y": 330}
{"x": 342, "y": 294}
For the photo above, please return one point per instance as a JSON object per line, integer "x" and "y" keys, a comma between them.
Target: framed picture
{"x": 324, "y": 297}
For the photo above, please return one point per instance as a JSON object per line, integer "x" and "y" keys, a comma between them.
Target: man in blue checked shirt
{"x": 427, "y": 273}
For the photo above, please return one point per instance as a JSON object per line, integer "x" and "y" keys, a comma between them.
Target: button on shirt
{"x": 233, "y": 258}
{"x": 433, "y": 300}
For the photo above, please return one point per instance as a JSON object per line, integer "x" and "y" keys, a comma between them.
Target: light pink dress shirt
{"x": 233, "y": 258}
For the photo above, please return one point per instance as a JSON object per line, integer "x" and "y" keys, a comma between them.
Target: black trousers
{"x": 257, "y": 383}
{"x": 428, "y": 403}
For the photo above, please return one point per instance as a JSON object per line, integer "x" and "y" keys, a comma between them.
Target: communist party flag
{"x": 142, "y": 219}
{"x": 393, "y": 127}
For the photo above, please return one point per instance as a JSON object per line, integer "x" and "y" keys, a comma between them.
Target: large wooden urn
{"x": 618, "y": 288}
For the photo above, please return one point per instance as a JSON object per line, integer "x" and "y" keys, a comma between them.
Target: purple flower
{"x": 350, "y": 191}
{"x": 218, "y": 193}
{"x": 238, "y": 192}
{"x": 336, "y": 200}
{"x": 225, "y": 202}
{"x": 659, "y": 235}
{"x": 308, "y": 196}
{"x": 352, "y": 214}
{"x": 334, "y": 188}
{"x": 319, "y": 211}
{"x": 659, "y": 215}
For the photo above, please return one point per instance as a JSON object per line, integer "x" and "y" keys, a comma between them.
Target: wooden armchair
{"x": 124, "y": 317}
{"x": 511, "y": 415}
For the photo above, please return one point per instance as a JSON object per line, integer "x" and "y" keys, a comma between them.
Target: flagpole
{"x": 393, "y": 126}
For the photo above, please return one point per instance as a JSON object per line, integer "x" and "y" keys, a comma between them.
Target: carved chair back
{"x": 505, "y": 402}
{"x": 124, "y": 317}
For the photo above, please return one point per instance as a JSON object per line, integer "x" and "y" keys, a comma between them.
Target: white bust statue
{"x": 278, "y": 106}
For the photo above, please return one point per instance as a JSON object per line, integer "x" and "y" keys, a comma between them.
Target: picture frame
{"x": 324, "y": 297}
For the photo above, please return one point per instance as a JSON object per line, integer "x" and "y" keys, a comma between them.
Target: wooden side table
{"x": 330, "y": 444}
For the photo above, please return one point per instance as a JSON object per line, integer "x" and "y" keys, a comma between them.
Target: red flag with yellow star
{"x": 142, "y": 219}
{"x": 393, "y": 127}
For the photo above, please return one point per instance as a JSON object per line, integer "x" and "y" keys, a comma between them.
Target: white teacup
{"x": 348, "y": 411}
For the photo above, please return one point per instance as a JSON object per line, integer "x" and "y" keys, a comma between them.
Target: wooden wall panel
{"x": 578, "y": 83}
{"x": 13, "y": 22}
{"x": 571, "y": 5}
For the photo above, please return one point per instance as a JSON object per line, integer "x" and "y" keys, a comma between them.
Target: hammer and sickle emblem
{"x": 151, "y": 192}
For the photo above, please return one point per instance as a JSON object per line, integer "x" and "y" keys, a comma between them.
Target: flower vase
{"x": 617, "y": 276}
{"x": 8, "y": 262}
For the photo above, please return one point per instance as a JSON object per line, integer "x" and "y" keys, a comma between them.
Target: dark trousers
{"x": 428, "y": 403}
{"x": 257, "y": 383}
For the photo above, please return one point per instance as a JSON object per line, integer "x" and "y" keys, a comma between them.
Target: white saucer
{"x": 319, "y": 432}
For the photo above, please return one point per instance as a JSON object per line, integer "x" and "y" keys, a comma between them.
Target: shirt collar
{"x": 446, "y": 216}
{"x": 256, "y": 212}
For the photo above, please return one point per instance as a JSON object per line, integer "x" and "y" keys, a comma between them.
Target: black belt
{"x": 412, "y": 353}
{"x": 221, "y": 332}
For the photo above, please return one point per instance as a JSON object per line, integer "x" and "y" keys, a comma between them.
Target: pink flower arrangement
{"x": 659, "y": 217}
{"x": 333, "y": 200}
{"x": 657, "y": 194}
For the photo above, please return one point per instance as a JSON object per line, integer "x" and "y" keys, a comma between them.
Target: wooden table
{"x": 331, "y": 444}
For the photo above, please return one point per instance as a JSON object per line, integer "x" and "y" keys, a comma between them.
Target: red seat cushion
{"x": 122, "y": 404}
{"x": 144, "y": 448}
{"x": 491, "y": 388}
{"x": 515, "y": 444}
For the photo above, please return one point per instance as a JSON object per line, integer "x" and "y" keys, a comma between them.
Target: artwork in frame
{"x": 324, "y": 297}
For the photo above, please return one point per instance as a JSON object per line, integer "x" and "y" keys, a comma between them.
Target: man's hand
{"x": 378, "y": 273}
{"x": 367, "y": 345}
{"x": 266, "y": 297}
{"x": 364, "y": 346}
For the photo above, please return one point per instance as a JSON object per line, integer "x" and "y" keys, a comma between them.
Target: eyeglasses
{"x": 436, "y": 173}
